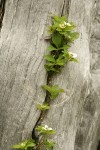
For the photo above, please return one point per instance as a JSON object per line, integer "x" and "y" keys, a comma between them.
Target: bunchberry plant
{"x": 45, "y": 130}
{"x": 44, "y": 143}
{"x": 62, "y": 36}
{"x": 25, "y": 145}
{"x": 49, "y": 144}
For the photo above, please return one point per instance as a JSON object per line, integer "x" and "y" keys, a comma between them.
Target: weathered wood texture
{"x": 75, "y": 114}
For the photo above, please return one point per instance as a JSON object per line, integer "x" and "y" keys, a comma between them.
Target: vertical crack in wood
{"x": 98, "y": 147}
{"x": 65, "y": 7}
{"x": 62, "y": 12}
{"x": 43, "y": 113}
{"x": 2, "y": 11}
{"x": 68, "y": 7}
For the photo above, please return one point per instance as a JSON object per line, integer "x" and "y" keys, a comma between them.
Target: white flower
{"x": 63, "y": 25}
{"x": 68, "y": 24}
{"x": 47, "y": 128}
{"x": 74, "y": 55}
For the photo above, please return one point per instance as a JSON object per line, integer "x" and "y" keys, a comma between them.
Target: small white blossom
{"x": 63, "y": 25}
{"x": 47, "y": 128}
{"x": 68, "y": 24}
{"x": 74, "y": 55}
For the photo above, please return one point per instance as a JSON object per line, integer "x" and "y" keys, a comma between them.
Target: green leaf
{"x": 49, "y": 144}
{"x": 74, "y": 60}
{"x": 51, "y": 48}
{"x": 74, "y": 36}
{"x": 18, "y": 146}
{"x": 51, "y": 68}
{"x": 66, "y": 55}
{"x": 51, "y": 30}
{"x": 53, "y": 90}
{"x": 65, "y": 47}
{"x": 71, "y": 36}
{"x": 48, "y": 66}
{"x": 49, "y": 58}
{"x": 59, "y": 20}
{"x": 57, "y": 39}
{"x": 30, "y": 143}
{"x": 47, "y": 87}
{"x": 60, "y": 61}
{"x": 43, "y": 106}
{"x": 25, "y": 144}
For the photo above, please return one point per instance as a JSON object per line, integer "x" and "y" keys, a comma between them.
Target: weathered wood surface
{"x": 75, "y": 115}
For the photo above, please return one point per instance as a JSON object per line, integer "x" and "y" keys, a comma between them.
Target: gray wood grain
{"x": 74, "y": 114}
{"x": 22, "y": 72}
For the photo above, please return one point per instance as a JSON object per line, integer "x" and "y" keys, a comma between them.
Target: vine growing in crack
{"x": 62, "y": 36}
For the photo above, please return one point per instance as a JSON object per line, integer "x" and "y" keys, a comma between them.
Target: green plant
{"x": 25, "y": 145}
{"x": 53, "y": 90}
{"x": 62, "y": 36}
{"x": 44, "y": 142}
{"x": 49, "y": 144}
{"x": 45, "y": 130}
{"x": 43, "y": 107}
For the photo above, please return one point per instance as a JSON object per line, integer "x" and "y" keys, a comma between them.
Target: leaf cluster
{"x": 53, "y": 90}
{"x": 45, "y": 130}
{"x": 25, "y": 145}
{"x": 62, "y": 36}
{"x": 49, "y": 144}
{"x": 43, "y": 107}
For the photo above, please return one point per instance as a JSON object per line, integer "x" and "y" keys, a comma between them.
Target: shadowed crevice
{"x": 98, "y": 147}
{"x": 2, "y": 11}
{"x": 66, "y": 7}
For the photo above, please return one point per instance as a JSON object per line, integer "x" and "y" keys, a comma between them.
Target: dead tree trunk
{"x": 75, "y": 115}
